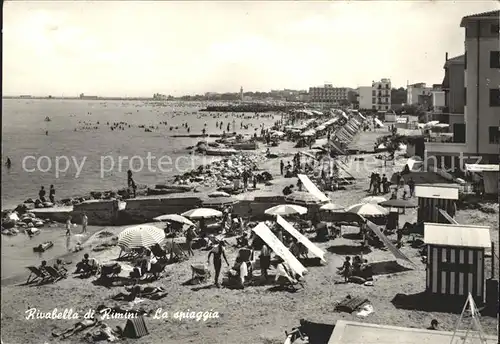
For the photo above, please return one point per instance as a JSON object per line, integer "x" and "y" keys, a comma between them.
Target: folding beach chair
{"x": 54, "y": 274}
{"x": 37, "y": 274}
{"x": 201, "y": 273}
{"x": 135, "y": 328}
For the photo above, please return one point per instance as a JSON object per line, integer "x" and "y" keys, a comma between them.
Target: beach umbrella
{"x": 374, "y": 199}
{"x": 219, "y": 194}
{"x": 286, "y": 209}
{"x": 140, "y": 236}
{"x": 332, "y": 207}
{"x": 174, "y": 218}
{"x": 367, "y": 209}
{"x": 278, "y": 133}
{"x": 302, "y": 198}
{"x": 218, "y": 201}
{"x": 202, "y": 213}
{"x": 398, "y": 203}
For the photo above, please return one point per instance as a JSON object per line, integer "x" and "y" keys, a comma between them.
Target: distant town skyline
{"x": 136, "y": 49}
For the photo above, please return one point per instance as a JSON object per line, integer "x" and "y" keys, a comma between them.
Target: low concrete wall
{"x": 99, "y": 212}
{"x": 140, "y": 210}
{"x": 58, "y": 214}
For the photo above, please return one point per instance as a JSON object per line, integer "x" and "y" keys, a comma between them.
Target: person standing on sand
{"x": 68, "y": 226}
{"x": 52, "y": 194}
{"x": 130, "y": 180}
{"x": 219, "y": 253}
{"x": 85, "y": 221}
{"x": 282, "y": 167}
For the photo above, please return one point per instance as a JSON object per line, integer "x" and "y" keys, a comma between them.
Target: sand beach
{"x": 255, "y": 314}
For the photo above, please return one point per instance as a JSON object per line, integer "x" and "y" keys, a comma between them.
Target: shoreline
{"x": 266, "y": 314}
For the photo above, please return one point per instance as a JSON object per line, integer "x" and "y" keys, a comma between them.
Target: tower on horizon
{"x": 241, "y": 93}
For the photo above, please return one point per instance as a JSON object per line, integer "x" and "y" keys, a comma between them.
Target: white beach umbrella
{"x": 202, "y": 213}
{"x": 286, "y": 209}
{"x": 174, "y": 218}
{"x": 332, "y": 207}
{"x": 367, "y": 209}
{"x": 374, "y": 199}
{"x": 140, "y": 236}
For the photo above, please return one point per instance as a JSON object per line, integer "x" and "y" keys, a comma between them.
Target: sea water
{"x": 24, "y": 134}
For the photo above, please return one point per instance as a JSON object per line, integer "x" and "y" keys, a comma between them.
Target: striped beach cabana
{"x": 455, "y": 259}
{"x": 432, "y": 198}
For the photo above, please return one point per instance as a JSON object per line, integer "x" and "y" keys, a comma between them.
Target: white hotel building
{"x": 481, "y": 94}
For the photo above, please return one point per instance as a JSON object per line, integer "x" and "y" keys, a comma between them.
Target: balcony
{"x": 446, "y": 147}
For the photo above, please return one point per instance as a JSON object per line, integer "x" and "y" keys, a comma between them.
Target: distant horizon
{"x": 182, "y": 95}
{"x": 177, "y": 48}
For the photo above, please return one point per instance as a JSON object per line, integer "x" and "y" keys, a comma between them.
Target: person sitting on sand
{"x": 59, "y": 266}
{"x": 84, "y": 265}
{"x": 288, "y": 190}
{"x": 42, "y": 266}
{"x": 434, "y": 325}
{"x": 128, "y": 297}
{"x": 242, "y": 241}
{"x": 82, "y": 325}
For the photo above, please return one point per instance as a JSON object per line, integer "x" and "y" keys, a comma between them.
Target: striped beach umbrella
{"x": 286, "y": 209}
{"x": 302, "y": 198}
{"x": 174, "y": 218}
{"x": 140, "y": 236}
{"x": 367, "y": 209}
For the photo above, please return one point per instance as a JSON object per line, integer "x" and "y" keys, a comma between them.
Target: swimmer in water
{"x": 47, "y": 132}
{"x": 8, "y": 163}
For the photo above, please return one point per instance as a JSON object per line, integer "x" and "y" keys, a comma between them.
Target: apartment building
{"x": 381, "y": 95}
{"x": 418, "y": 94}
{"x": 375, "y": 97}
{"x": 328, "y": 94}
{"x": 481, "y": 91}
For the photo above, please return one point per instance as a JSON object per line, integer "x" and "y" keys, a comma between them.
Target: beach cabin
{"x": 432, "y": 198}
{"x": 489, "y": 174}
{"x": 455, "y": 259}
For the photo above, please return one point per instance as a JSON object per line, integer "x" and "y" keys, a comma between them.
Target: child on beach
{"x": 68, "y": 226}
{"x": 85, "y": 221}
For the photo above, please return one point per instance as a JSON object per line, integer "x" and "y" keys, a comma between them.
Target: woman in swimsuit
{"x": 219, "y": 253}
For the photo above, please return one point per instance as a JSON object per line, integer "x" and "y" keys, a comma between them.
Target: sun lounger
{"x": 54, "y": 274}
{"x": 38, "y": 275}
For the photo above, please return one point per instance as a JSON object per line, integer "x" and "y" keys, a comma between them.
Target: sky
{"x": 128, "y": 48}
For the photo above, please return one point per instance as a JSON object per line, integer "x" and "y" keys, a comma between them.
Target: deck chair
{"x": 54, "y": 274}
{"x": 36, "y": 275}
{"x": 155, "y": 271}
{"x": 201, "y": 273}
{"x": 135, "y": 328}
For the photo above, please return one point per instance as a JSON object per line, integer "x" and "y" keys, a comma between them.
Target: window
{"x": 374, "y": 93}
{"x": 387, "y": 108}
{"x": 494, "y": 59}
{"x": 495, "y": 97}
{"x": 465, "y": 95}
{"x": 494, "y": 135}
{"x": 374, "y": 100}
{"x": 465, "y": 60}
{"x": 495, "y": 28}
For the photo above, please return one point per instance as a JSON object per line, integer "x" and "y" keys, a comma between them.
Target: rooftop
{"x": 457, "y": 235}
{"x": 349, "y": 332}
{"x": 460, "y": 59}
{"x": 479, "y": 16}
{"x": 428, "y": 191}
